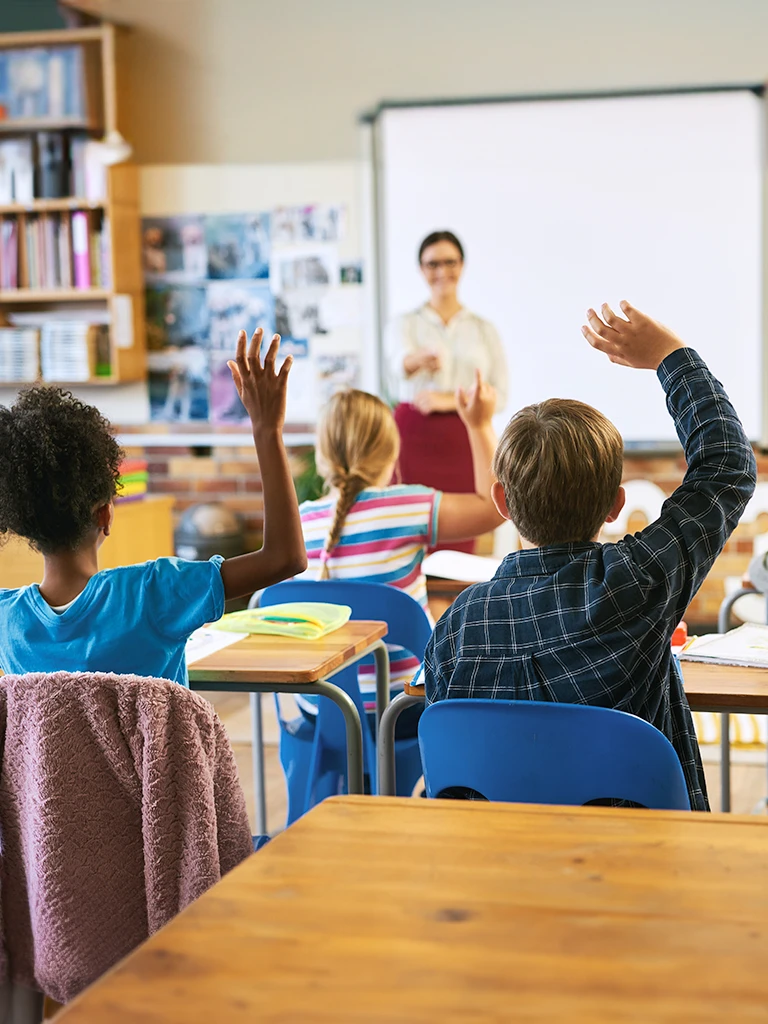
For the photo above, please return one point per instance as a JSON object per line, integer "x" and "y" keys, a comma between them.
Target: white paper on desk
{"x": 747, "y": 645}
{"x": 458, "y": 565}
{"x": 205, "y": 641}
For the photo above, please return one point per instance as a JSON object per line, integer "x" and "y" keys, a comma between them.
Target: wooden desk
{"x": 277, "y": 664}
{"x": 384, "y": 909}
{"x": 142, "y": 530}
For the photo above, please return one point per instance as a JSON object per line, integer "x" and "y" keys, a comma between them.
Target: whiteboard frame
{"x": 374, "y": 120}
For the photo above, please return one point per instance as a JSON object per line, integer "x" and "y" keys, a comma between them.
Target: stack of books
{"x": 19, "y": 354}
{"x": 74, "y": 350}
{"x": 51, "y": 165}
{"x": 133, "y": 480}
{"x": 61, "y": 251}
{"x": 43, "y": 83}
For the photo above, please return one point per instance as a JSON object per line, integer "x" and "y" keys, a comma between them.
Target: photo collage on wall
{"x": 209, "y": 276}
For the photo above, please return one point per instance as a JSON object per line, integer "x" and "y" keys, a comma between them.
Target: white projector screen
{"x": 565, "y": 204}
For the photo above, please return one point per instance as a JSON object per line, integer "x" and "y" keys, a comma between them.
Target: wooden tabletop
{"x": 279, "y": 659}
{"x": 725, "y": 687}
{"x": 384, "y": 909}
{"x": 710, "y": 687}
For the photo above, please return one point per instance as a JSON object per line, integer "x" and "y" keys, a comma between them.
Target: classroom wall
{"x": 251, "y": 81}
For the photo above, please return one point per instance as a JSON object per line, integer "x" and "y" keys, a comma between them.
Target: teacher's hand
{"x": 477, "y": 405}
{"x": 429, "y": 362}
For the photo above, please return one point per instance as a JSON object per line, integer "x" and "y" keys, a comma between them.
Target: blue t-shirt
{"x": 133, "y": 619}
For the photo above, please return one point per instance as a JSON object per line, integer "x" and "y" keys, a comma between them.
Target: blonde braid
{"x": 356, "y": 440}
{"x": 349, "y": 488}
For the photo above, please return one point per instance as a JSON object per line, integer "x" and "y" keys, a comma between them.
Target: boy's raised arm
{"x": 262, "y": 391}
{"x": 677, "y": 551}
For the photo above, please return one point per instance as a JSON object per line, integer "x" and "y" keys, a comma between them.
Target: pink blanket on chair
{"x": 119, "y": 805}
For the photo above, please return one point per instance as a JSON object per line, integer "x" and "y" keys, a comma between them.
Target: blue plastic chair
{"x": 547, "y": 753}
{"x": 313, "y": 755}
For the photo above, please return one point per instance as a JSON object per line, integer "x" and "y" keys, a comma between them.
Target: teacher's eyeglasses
{"x": 436, "y": 264}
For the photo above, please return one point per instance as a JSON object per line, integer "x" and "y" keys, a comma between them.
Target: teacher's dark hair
{"x": 441, "y": 236}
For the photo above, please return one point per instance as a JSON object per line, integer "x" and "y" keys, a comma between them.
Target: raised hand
{"x": 477, "y": 405}
{"x": 262, "y": 390}
{"x": 636, "y": 341}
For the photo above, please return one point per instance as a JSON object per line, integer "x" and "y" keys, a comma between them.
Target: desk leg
{"x": 257, "y": 746}
{"x": 381, "y": 657}
{"x": 354, "y": 731}
{"x": 385, "y": 750}
{"x": 725, "y": 762}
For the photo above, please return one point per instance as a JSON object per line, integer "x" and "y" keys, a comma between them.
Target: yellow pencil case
{"x": 303, "y": 620}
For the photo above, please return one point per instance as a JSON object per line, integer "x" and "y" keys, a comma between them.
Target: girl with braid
{"x": 369, "y": 529}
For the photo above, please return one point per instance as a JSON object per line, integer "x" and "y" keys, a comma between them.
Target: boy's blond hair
{"x": 357, "y": 439}
{"x": 560, "y": 464}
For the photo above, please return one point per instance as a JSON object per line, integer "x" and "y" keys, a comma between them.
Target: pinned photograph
{"x": 351, "y": 273}
{"x": 177, "y": 315}
{"x": 238, "y": 245}
{"x": 178, "y": 382}
{"x": 173, "y": 248}
{"x": 336, "y": 373}
{"x": 315, "y": 269}
{"x": 235, "y": 306}
{"x": 320, "y": 222}
{"x": 177, "y": 338}
{"x": 300, "y": 314}
{"x": 285, "y": 225}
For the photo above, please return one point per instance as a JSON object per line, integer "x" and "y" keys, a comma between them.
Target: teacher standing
{"x": 431, "y": 352}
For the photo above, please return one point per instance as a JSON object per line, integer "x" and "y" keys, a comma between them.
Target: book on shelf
{"x": 19, "y": 354}
{"x": 51, "y": 165}
{"x": 74, "y": 350}
{"x": 17, "y": 171}
{"x": 39, "y": 83}
{"x": 61, "y": 251}
{"x": 9, "y": 253}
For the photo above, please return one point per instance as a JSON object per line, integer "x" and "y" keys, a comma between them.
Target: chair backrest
{"x": 408, "y": 626}
{"x": 119, "y": 805}
{"x": 408, "y": 623}
{"x": 541, "y": 752}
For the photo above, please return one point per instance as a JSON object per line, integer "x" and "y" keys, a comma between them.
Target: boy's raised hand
{"x": 262, "y": 391}
{"x": 477, "y": 405}
{"x": 636, "y": 341}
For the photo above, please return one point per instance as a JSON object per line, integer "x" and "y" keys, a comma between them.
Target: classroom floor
{"x": 748, "y": 769}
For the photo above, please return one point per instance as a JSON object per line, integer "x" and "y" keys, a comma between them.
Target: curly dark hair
{"x": 58, "y": 462}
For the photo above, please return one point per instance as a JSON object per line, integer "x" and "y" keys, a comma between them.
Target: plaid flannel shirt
{"x": 591, "y": 623}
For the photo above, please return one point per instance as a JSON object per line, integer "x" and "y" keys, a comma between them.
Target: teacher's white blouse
{"x": 465, "y": 343}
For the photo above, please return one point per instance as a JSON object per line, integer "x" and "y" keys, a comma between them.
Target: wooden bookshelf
{"x": 25, "y": 296}
{"x": 104, "y": 64}
{"x": 52, "y": 205}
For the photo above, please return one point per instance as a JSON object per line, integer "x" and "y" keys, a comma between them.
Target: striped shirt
{"x": 384, "y": 540}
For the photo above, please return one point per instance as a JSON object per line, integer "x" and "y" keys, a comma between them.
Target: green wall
{"x": 27, "y": 15}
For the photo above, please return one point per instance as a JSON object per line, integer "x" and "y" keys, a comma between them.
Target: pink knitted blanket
{"x": 119, "y": 805}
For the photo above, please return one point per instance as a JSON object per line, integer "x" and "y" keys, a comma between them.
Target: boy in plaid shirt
{"x": 567, "y": 618}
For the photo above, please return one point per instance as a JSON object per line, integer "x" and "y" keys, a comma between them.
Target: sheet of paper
{"x": 206, "y": 641}
{"x": 458, "y": 565}
{"x": 747, "y": 645}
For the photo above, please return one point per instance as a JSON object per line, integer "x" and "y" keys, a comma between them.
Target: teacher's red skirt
{"x": 435, "y": 452}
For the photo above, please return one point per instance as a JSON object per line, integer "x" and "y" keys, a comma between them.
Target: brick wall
{"x": 231, "y": 475}
{"x": 225, "y": 474}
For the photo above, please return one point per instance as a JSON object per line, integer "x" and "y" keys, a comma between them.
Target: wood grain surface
{"x": 280, "y": 659}
{"x": 383, "y": 909}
